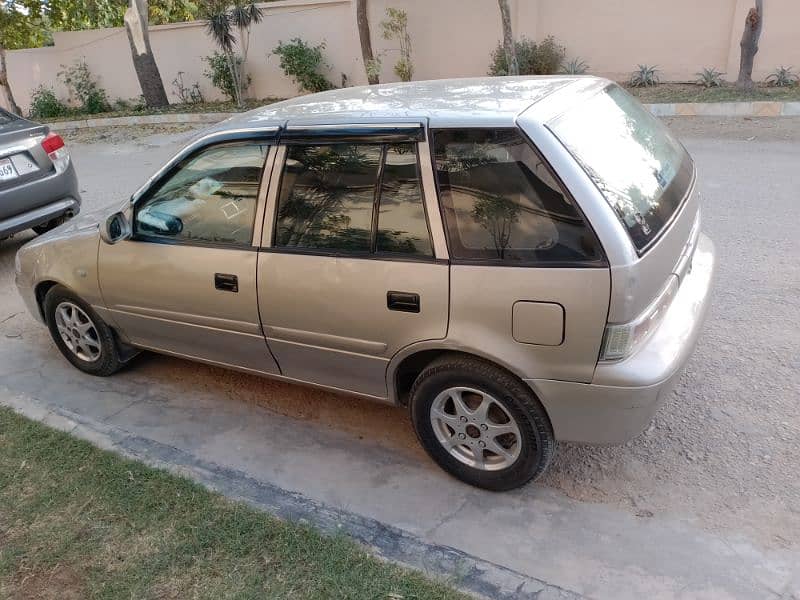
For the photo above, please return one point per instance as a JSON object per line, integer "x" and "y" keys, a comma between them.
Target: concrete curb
{"x": 466, "y": 572}
{"x": 674, "y": 109}
{"x": 162, "y": 119}
{"x": 726, "y": 109}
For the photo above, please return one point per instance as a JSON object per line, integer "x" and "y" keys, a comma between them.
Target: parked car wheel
{"x": 81, "y": 335}
{"x": 480, "y": 423}
{"x": 52, "y": 224}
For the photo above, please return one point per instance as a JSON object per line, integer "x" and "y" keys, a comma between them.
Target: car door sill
{"x": 276, "y": 376}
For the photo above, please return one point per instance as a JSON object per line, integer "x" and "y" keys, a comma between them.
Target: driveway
{"x": 705, "y": 503}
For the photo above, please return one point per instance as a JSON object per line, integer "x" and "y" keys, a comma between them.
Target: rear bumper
{"x": 36, "y": 202}
{"x": 623, "y": 396}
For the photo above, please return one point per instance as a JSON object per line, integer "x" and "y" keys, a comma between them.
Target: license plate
{"x": 7, "y": 170}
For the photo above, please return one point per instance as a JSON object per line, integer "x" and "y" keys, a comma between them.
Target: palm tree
{"x": 220, "y": 24}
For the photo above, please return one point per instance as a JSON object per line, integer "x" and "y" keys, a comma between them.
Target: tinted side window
{"x": 327, "y": 197}
{"x": 402, "y": 225}
{"x": 329, "y": 194}
{"x": 211, "y": 197}
{"x": 501, "y": 203}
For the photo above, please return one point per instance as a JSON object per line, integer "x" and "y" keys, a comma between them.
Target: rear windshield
{"x": 634, "y": 160}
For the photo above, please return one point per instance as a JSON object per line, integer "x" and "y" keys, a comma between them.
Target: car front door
{"x": 350, "y": 272}
{"x": 185, "y": 283}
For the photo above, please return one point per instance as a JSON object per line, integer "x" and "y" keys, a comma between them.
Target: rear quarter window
{"x": 633, "y": 159}
{"x": 502, "y": 204}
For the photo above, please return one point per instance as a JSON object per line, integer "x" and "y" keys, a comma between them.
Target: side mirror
{"x": 116, "y": 228}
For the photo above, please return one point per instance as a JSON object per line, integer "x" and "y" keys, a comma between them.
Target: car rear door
{"x": 349, "y": 272}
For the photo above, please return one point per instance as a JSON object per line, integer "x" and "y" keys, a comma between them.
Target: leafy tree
{"x": 73, "y": 15}
{"x": 395, "y": 26}
{"x": 17, "y": 30}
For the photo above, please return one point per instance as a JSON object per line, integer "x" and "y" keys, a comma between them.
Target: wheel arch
{"x": 407, "y": 364}
{"x": 41, "y": 290}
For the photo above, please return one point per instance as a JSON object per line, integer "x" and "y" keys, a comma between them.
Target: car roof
{"x": 479, "y": 101}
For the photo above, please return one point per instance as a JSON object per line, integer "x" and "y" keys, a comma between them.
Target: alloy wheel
{"x": 475, "y": 428}
{"x": 77, "y": 331}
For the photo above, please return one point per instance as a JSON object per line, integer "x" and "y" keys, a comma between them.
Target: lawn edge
{"x": 475, "y": 575}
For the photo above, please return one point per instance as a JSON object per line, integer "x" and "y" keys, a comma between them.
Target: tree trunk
{"x": 366, "y": 41}
{"x": 12, "y": 104}
{"x": 136, "y": 22}
{"x": 233, "y": 67}
{"x": 749, "y": 45}
{"x": 508, "y": 39}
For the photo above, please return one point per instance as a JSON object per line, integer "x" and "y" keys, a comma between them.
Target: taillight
{"x": 620, "y": 341}
{"x": 53, "y": 144}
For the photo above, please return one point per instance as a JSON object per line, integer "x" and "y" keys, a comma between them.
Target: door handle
{"x": 402, "y": 301}
{"x": 226, "y": 282}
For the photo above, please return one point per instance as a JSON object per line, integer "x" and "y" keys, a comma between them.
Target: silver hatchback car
{"x": 516, "y": 260}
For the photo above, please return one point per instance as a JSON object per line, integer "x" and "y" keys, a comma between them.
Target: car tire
{"x": 51, "y": 224}
{"x": 480, "y": 423}
{"x": 80, "y": 334}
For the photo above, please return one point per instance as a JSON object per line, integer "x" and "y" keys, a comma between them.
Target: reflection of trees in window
{"x": 500, "y": 201}
{"x": 328, "y": 199}
{"x": 312, "y": 212}
{"x": 402, "y": 226}
{"x": 497, "y": 215}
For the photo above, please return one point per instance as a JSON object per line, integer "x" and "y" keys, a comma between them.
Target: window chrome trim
{"x": 211, "y": 139}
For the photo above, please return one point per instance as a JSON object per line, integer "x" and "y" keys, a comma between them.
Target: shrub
{"x": 575, "y": 67}
{"x": 186, "y": 94}
{"x": 543, "y": 58}
{"x": 709, "y": 78}
{"x": 219, "y": 72}
{"x": 395, "y": 27}
{"x": 783, "y": 77}
{"x": 373, "y": 67}
{"x": 302, "y": 62}
{"x": 133, "y": 105}
{"x": 84, "y": 88}
{"x": 644, "y": 76}
{"x": 46, "y": 105}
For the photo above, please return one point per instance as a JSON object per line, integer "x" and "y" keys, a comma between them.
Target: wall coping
{"x": 674, "y": 109}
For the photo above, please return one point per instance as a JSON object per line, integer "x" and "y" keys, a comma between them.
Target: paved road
{"x": 706, "y": 503}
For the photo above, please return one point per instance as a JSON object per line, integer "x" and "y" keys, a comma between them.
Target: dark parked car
{"x": 38, "y": 185}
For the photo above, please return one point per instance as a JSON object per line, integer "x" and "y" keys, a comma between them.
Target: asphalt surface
{"x": 715, "y": 475}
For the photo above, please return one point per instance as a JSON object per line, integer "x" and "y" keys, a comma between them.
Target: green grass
{"x": 78, "y": 522}
{"x": 199, "y": 107}
{"x": 687, "y": 92}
